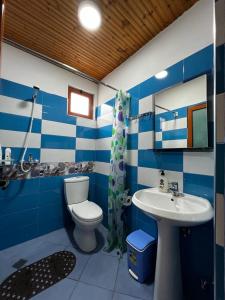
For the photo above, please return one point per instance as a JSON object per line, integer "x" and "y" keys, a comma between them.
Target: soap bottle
{"x": 163, "y": 182}
{"x": 7, "y": 156}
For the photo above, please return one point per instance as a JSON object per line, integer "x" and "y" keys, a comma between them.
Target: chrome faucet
{"x": 173, "y": 188}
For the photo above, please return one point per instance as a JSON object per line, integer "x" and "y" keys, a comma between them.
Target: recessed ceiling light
{"x": 161, "y": 74}
{"x": 89, "y": 15}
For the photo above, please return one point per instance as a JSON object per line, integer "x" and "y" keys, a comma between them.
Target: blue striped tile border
{"x": 57, "y": 142}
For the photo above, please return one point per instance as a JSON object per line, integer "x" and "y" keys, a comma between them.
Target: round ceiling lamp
{"x": 89, "y": 15}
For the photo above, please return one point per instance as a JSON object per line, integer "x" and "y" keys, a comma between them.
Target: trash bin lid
{"x": 140, "y": 239}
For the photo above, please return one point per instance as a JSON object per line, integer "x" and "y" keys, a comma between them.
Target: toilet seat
{"x": 87, "y": 211}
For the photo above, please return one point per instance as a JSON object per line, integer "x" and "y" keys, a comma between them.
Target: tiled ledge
{"x": 9, "y": 172}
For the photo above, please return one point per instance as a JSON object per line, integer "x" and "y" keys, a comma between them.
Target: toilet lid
{"x": 87, "y": 211}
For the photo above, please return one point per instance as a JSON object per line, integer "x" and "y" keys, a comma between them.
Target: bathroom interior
{"x": 112, "y": 149}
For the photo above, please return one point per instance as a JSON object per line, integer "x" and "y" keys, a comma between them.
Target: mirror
{"x": 181, "y": 116}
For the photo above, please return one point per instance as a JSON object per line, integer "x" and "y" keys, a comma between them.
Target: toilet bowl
{"x": 86, "y": 215}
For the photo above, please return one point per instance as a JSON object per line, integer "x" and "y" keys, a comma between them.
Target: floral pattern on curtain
{"x": 117, "y": 177}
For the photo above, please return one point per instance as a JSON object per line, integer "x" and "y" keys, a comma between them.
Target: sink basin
{"x": 171, "y": 212}
{"x": 186, "y": 210}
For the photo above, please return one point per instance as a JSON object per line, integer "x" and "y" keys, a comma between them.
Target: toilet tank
{"x": 76, "y": 189}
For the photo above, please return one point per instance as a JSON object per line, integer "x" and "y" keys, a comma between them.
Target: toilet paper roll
{"x": 127, "y": 201}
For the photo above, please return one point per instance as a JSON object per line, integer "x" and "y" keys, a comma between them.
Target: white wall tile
{"x": 158, "y": 136}
{"x": 102, "y": 168}
{"x": 133, "y": 126}
{"x": 146, "y": 140}
{"x": 86, "y": 122}
{"x": 104, "y": 120}
{"x": 57, "y": 155}
{"x": 146, "y": 104}
{"x": 9, "y": 138}
{"x": 174, "y": 124}
{"x": 174, "y": 144}
{"x": 150, "y": 177}
{"x": 132, "y": 157}
{"x": 198, "y": 163}
{"x": 19, "y": 107}
{"x": 103, "y": 144}
{"x": 58, "y": 128}
{"x": 85, "y": 144}
{"x": 220, "y": 219}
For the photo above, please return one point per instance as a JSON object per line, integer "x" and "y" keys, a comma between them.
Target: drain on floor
{"x": 19, "y": 264}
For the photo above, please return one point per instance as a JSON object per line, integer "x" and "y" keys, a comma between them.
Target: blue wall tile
{"x": 146, "y": 123}
{"x": 177, "y": 134}
{"x": 103, "y": 155}
{"x": 220, "y": 69}
{"x": 148, "y": 159}
{"x": 57, "y": 142}
{"x": 18, "y": 91}
{"x": 85, "y": 155}
{"x": 104, "y": 132}
{"x": 198, "y": 63}
{"x": 199, "y": 185}
{"x": 85, "y": 132}
{"x": 18, "y": 123}
{"x": 17, "y": 153}
{"x": 132, "y": 141}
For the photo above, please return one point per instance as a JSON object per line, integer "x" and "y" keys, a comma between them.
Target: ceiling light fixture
{"x": 161, "y": 74}
{"x": 89, "y": 15}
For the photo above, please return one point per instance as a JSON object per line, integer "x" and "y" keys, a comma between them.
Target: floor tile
{"x": 81, "y": 262}
{"x": 125, "y": 284}
{"x": 5, "y": 267}
{"x": 118, "y": 296}
{"x": 60, "y": 291}
{"x": 43, "y": 250}
{"x": 89, "y": 292}
{"x": 60, "y": 237}
{"x": 101, "y": 270}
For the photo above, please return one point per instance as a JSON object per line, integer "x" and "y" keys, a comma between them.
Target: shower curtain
{"x": 117, "y": 176}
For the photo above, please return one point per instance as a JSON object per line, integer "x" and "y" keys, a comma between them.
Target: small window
{"x": 80, "y": 103}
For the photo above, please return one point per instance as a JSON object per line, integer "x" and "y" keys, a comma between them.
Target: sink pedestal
{"x": 168, "y": 284}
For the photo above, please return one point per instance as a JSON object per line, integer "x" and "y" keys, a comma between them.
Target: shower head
{"x": 36, "y": 90}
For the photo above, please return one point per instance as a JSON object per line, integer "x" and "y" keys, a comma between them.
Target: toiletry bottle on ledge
{"x": 163, "y": 182}
{"x": 8, "y": 156}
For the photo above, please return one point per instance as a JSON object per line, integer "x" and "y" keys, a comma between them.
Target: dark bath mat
{"x": 37, "y": 277}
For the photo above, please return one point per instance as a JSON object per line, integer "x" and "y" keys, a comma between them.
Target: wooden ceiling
{"x": 51, "y": 27}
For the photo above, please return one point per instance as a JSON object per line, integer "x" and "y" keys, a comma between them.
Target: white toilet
{"x": 86, "y": 214}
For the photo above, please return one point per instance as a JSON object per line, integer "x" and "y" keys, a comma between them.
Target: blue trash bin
{"x": 141, "y": 254}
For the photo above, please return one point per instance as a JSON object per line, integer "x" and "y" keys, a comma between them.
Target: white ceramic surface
{"x": 186, "y": 210}
{"x": 171, "y": 212}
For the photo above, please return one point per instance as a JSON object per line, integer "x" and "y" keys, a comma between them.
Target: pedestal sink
{"x": 171, "y": 212}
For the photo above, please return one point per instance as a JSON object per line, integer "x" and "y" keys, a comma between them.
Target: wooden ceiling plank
{"x": 56, "y": 46}
{"x": 49, "y": 33}
{"x": 40, "y": 23}
{"x": 112, "y": 29}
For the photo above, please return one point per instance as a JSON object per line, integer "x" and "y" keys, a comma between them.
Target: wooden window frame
{"x": 190, "y": 121}
{"x": 82, "y": 93}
